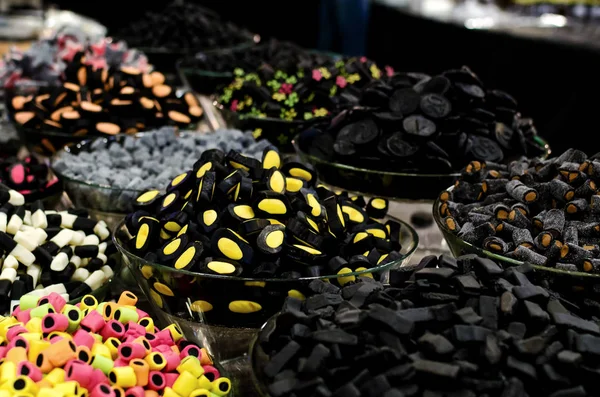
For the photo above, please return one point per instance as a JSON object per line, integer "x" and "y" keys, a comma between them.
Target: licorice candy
{"x": 552, "y": 229}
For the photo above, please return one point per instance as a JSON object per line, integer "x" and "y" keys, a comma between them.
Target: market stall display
{"x": 445, "y": 326}
{"x": 276, "y": 104}
{"x": 47, "y": 251}
{"x": 109, "y": 174}
{"x": 101, "y": 349}
{"x": 419, "y": 125}
{"x": 541, "y": 212}
{"x": 259, "y": 230}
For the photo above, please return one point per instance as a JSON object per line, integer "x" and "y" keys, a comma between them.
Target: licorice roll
{"x": 270, "y": 239}
{"x": 561, "y": 190}
{"x": 525, "y": 254}
{"x": 521, "y": 192}
{"x": 576, "y": 206}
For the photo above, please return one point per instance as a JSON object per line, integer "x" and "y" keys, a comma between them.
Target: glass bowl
{"x": 389, "y": 184}
{"x": 207, "y": 82}
{"x": 166, "y": 59}
{"x": 97, "y": 198}
{"x": 279, "y": 132}
{"x": 206, "y": 298}
{"x": 576, "y": 285}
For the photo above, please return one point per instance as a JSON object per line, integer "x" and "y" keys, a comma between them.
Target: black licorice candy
{"x": 516, "y": 346}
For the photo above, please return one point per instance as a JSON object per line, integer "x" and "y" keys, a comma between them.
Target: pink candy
{"x": 141, "y": 313}
{"x": 54, "y": 322}
{"x": 15, "y": 331}
{"x": 171, "y": 378}
{"x": 22, "y": 316}
{"x": 173, "y": 361}
{"x": 19, "y": 341}
{"x": 137, "y": 391}
{"x": 28, "y": 369}
{"x": 103, "y": 390}
{"x": 210, "y": 370}
{"x": 112, "y": 329}
{"x": 57, "y": 301}
{"x": 190, "y": 350}
{"x": 129, "y": 351}
{"x": 83, "y": 338}
{"x": 81, "y": 372}
{"x": 156, "y": 380}
{"x": 93, "y": 322}
{"x": 135, "y": 330}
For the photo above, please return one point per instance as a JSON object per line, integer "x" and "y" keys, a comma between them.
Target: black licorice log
{"x": 550, "y": 207}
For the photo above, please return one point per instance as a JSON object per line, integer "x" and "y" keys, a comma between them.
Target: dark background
{"x": 555, "y": 82}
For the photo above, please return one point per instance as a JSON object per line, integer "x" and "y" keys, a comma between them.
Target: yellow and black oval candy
{"x": 189, "y": 257}
{"x": 356, "y": 215}
{"x": 377, "y": 207}
{"x": 228, "y": 244}
{"x": 147, "y": 200}
{"x": 309, "y": 221}
{"x": 272, "y": 205}
{"x": 304, "y": 254}
{"x": 293, "y": 185}
{"x": 270, "y": 240}
{"x": 201, "y": 168}
{"x": 170, "y": 202}
{"x": 173, "y": 249}
{"x": 208, "y": 220}
{"x": 271, "y": 158}
{"x": 181, "y": 182}
{"x": 147, "y": 235}
{"x": 228, "y": 185}
{"x": 221, "y": 266}
{"x": 335, "y": 217}
{"x": 300, "y": 171}
{"x": 275, "y": 181}
{"x": 240, "y": 212}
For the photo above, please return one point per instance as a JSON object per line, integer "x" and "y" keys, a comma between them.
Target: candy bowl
{"x": 229, "y": 302}
{"x": 577, "y": 285}
{"x": 134, "y": 163}
{"x": 411, "y": 184}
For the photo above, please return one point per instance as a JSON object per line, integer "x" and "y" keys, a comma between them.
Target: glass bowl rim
{"x": 405, "y": 226}
{"x": 493, "y": 255}
{"x": 541, "y": 141}
{"x": 250, "y": 40}
{"x": 86, "y": 143}
{"x": 274, "y": 120}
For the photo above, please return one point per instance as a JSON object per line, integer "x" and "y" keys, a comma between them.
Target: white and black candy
{"x": 48, "y": 251}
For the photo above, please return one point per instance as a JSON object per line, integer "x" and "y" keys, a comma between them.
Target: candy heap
{"x": 543, "y": 212}
{"x": 137, "y": 163}
{"x": 432, "y": 124}
{"x": 110, "y": 349}
{"x": 446, "y": 327}
{"x": 301, "y": 94}
{"x": 235, "y": 215}
{"x": 48, "y": 251}
{"x": 105, "y": 102}
{"x": 184, "y": 26}
{"x": 46, "y": 60}
{"x": 28, "y": 176}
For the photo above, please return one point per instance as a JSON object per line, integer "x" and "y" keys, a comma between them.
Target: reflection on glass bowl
{"x": 228, "y": 301}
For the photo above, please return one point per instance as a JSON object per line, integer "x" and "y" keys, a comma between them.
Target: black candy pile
{"x": 236, "y": 215}
{"x": 446, "y": 327}
{"x": 543, "y": 212}
{"x": 281, "y": 55}
{"x": 430, "y": 124}
{"x": 184, "y": 26}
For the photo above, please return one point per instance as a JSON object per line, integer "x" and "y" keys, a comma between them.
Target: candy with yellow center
{"x": 189, "y": 256}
